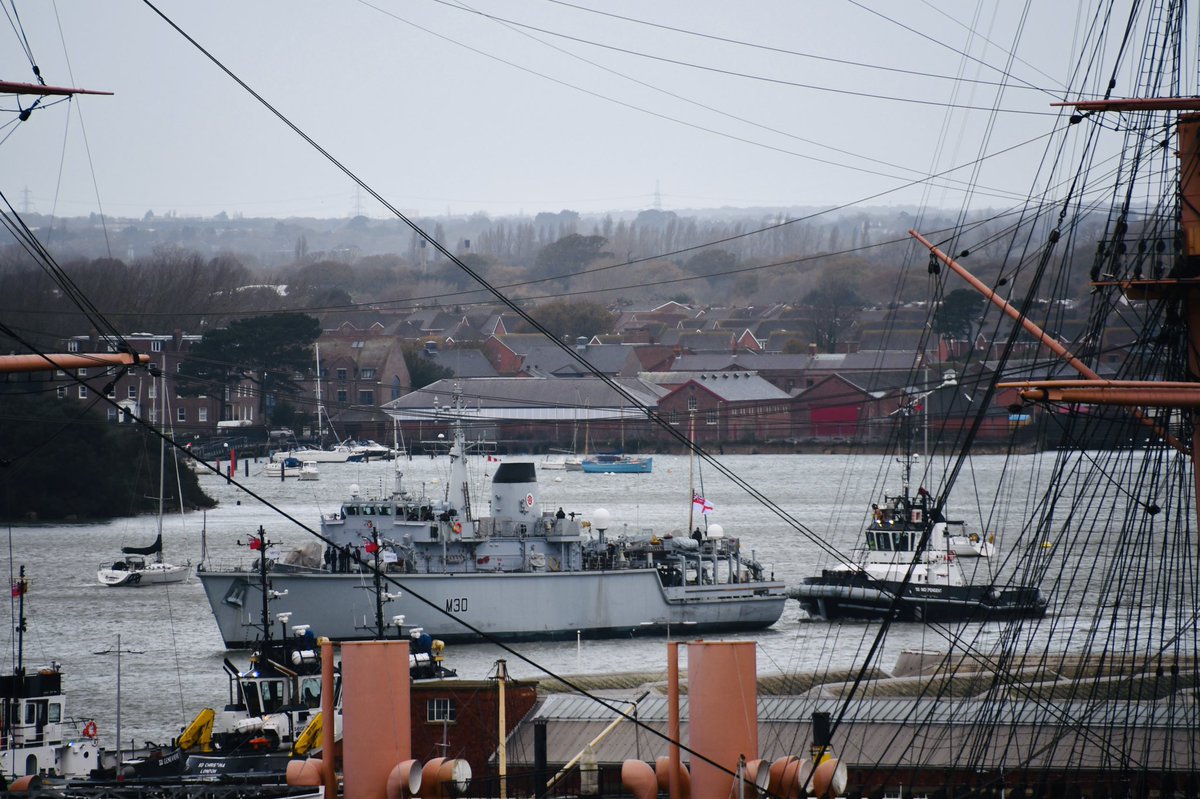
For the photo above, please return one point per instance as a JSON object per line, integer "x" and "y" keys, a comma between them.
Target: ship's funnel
{"x": 723, "y": 697}
{"x": 515, "y": 491}
{"x": 376, "y": 731}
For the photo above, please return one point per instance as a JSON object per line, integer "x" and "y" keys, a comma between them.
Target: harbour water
{"x": 171, "y": 665}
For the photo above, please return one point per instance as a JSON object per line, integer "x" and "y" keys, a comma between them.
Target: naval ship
{"x": 523, "y": 573}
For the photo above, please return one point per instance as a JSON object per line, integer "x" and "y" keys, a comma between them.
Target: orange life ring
{"x": 457, "y": 528}
{"x": 89, "y": 730}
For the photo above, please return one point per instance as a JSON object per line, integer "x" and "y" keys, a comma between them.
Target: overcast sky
{"x": 539, "y": 106}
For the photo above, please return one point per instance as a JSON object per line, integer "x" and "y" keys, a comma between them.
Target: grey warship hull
{"x": 507, "y": 606}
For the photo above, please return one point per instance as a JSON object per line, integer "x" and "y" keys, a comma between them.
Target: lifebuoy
{"x": 457, "y": 528}
{"x": 974, "y": 538}
{"x": 89, "y": 730}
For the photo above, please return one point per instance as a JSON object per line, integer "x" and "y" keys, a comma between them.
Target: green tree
{"x": 267, "y": 350}
{"x": 713, "y": 261}
{"x": 39, "y": 434}
{"x": 569, "y": 320}
{"x": 957, "y": 314}
{"x": 569, "y": 255}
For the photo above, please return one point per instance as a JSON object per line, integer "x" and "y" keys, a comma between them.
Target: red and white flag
{"x": 701, "y": 505}
{"x": 492, "y": 458}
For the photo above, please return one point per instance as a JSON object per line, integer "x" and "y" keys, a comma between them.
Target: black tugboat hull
{"x": 834, "y": 597}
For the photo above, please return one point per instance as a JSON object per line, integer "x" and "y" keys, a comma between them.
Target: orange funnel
{"x": 723, "y": 702}
{"x": 375, "y": 715}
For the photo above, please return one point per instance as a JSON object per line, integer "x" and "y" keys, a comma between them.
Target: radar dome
{"x": 716, "y": 531}
{"x": 601, "y": 518}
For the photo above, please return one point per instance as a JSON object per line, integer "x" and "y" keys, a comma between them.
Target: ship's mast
{"x": 1182, "y": 286}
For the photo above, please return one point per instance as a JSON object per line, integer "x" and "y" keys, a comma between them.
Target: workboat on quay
{"x": 520, "y": 574}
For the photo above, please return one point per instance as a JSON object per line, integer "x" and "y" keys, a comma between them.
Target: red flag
{"x": 19, "y": 587}
{"x": 256, "y": 543}
{"x": 371, "y": 547}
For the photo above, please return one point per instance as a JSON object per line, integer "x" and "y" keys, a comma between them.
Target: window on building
{"x": 112, "y": 414}
{"x": 112, "y": 391}
{"x": 711, "y": 417}
{"x": 439, "y": 710}
{"x": 83, "y": 392}
{"x": 691, "y": 403}
{"x": 674, "y": 417}
{"x": 202, "y": 414}
{"x": 367, "y": 374}
{"x": 62, "y": 392}
{"x": 341, "y": 395}
{"x": 153, "y": 414}
{"x": 366, "y": 398}
{"x": 181, "y": 414}
{"x": 341, "y": 375}
{"x": 72, "y": 346}
{"x": 156, "y": 346}
{"x": 82, "y": 372}
{"x": 131, "y": 392}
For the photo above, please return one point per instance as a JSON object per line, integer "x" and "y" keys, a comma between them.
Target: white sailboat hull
{"x": 151, "y": 574}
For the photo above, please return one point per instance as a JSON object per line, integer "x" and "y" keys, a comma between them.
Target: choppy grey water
{"x": 172, "y": 667}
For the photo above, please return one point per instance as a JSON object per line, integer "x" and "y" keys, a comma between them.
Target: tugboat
{"x": 910, "y": 564}
{"x": 37, "y": 737}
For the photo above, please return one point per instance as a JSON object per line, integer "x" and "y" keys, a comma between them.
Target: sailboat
{"x": 342, "y": 452}
{"x": 142, "y": 566}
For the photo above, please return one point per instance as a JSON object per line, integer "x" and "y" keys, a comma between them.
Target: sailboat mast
{"x": 162, "y": 457}
{"x": 20, "y": 590}
{"x": 320, "y": 406}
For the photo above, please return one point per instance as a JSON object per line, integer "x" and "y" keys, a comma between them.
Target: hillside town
{"x": 738, "y": 379}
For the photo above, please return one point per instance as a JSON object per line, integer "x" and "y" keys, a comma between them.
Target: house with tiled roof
{"x": 728, "y": 406}
{"x": 362, "y": 371}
